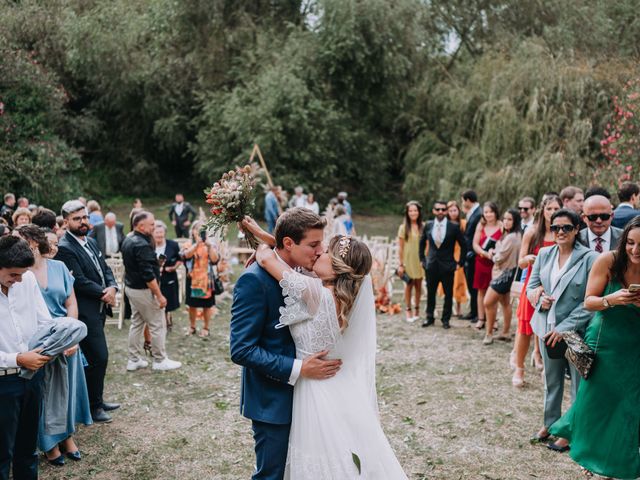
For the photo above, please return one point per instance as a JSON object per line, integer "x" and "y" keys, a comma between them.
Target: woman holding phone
{"x": 602, "y": 424}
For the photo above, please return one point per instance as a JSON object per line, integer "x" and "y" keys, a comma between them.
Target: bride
{"x": 335, "y": 429}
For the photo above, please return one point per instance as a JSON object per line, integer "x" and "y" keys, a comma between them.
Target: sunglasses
{"x": 524, "y": 209}
{"x": 564, "y": 228}
{"x": 602, "y": 216}
{"x": 440, "y": 209}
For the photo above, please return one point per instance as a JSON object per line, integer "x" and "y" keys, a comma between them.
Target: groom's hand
{"x": 317, "y": 367}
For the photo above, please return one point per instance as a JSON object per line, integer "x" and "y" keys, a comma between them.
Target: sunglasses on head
{"x": 602, "y": 216}
{"x": 564, "y": 228}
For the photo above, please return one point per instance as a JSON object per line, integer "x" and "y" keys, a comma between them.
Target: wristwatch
{"x": 605, "y": 302}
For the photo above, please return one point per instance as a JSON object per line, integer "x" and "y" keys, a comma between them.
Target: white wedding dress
{"x": 335, "y": 422}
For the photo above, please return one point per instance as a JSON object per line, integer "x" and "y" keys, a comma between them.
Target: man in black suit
{"x": 95, "y": 289}
{"x": 629, "y": 195}
{"x": 471, "y": 208}
{"x": 109, "y": 235}
{"x": 182, "y": 215}
{"x": 440, "y": 265}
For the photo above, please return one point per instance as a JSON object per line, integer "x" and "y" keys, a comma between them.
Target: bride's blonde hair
{"x": 351, "y": 261}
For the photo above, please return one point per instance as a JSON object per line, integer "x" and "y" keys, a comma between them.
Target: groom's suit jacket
{"x": 265, "y": 353}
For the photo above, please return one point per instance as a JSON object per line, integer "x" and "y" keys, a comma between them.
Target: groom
{"x": 268, "y": 354}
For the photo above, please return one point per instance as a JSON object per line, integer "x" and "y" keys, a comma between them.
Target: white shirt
{"x": 160, "y": 249}
{"x": 22, "y": 313}
{"x": 526, "y": 225}
{"x": 179, "y": 208}
{"x": 555, "y": 276}
{"x": 297, "y": 363}
{"x": 439, "y": 228}
{"x": 606, "y": 237}
{"x": 298, "y": 201}
{"x": 314, "y": 207}
{"x": 111, "y": 240}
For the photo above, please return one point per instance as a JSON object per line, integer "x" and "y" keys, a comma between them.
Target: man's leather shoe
{"x": 469, "y": 316}
{"x": 107, "y": 407}
{"x": 100, "y": 416}
{"x": 428, "y": 322}
{"x": 445, "y": 324}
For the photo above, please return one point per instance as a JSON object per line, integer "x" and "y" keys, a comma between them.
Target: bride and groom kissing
{"x": 303, "y": 327}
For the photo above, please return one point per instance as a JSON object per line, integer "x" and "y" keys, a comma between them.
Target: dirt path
{"x": 446, "y": 403}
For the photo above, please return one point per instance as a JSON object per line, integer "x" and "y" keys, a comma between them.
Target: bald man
{"x": 600, "y": 236}
{"x": 109, "y": 235}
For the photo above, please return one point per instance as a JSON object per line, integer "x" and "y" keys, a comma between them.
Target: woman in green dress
{"x": 410, "y": 269}
{"x": 603, "y": 425}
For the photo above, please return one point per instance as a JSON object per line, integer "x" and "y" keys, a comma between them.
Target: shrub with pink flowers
{"x": 621, "y": 143}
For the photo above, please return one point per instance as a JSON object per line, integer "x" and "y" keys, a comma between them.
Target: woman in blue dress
{"x": 56, "y": 285}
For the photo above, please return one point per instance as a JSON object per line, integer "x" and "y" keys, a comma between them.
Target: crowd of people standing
{"x": 572, "y": 261}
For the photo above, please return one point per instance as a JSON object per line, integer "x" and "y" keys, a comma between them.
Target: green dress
{"x": 603, "y": 425}
{"x": 411, "y": 254}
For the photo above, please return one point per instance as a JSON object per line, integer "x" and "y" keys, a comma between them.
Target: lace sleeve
{"x": 302, "y": 296}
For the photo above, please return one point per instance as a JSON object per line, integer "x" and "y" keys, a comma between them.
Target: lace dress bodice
{"x": 310, "y": 314}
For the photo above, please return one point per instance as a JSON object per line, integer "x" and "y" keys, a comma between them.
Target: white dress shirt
{"x": 111, "y": 240}
{"x": 439, "y": 229}
{"x": 22, "y": 313}
{"x": 179, "y": 208}
{"x": 297, "y": 363}
{"x": 606, "y": 240}
{"x": 555, "y": 276}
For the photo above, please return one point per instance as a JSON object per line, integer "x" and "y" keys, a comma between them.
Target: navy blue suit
{"x": 623, "y": 215}
{"x": 266, "y": 355}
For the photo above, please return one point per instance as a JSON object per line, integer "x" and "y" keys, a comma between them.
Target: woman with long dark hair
{"x": 459, "y": 281}
{"x": 534, "y": 239}
{"x": 505, "y": 265}
{"x": 409, "y": 235}
{"x": 602, "y": 424}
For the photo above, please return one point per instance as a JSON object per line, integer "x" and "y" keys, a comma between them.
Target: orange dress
{"x": 525, "y": 309}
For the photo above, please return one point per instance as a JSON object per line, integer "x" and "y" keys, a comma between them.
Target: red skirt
{"x": 482, "y": 274}
{"x": 525, "y": 309}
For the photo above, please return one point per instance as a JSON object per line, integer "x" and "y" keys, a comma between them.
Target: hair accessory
{"x": 343, "y": 249}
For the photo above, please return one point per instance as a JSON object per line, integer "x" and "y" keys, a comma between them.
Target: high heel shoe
{"x": 512, "y": 360}
{"x": 57, "y": 462}
{"x": 479, "y": 325}
{"x": 75, "y": 456}
{"x": 518, "y": 381}
{"x": 537, "y": 362}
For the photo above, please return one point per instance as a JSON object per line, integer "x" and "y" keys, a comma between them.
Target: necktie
{"x": 439, "y": 235}
{"x": 599, "y": 242}
{"x": 94, "y": 259}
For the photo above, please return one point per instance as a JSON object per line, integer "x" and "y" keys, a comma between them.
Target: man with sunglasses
{"x": 599, "y": 235}
{"x": 527, "y": 209}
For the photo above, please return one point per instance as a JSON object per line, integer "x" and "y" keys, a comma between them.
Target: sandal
{"x": 202, "y": 334}
{"x": 517, "y": 380}
{"x": 479, "y": 325}
{"x": 191, "y": 331}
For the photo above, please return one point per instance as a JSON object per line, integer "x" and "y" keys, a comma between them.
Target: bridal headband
{"x": 343, "y": 249}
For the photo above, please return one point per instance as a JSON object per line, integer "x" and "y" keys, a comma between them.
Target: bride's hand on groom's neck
{"x": 317, "y": 367}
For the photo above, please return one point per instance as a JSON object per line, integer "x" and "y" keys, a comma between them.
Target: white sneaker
{"x": 133, "y": 366}
{"x": 166, "y": 364}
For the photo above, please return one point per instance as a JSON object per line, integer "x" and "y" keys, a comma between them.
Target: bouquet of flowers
{"x": 232, "y": 198}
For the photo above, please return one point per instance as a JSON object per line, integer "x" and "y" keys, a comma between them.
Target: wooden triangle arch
{"x": 256, "y": 151}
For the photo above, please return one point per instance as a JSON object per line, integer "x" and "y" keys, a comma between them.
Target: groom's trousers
{"x": 271, "y": 443}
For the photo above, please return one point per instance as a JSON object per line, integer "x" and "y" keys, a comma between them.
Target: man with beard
{"x": 95, "y": 289}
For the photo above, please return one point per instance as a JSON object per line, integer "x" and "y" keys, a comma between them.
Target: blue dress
{"x": 59, "y": 287}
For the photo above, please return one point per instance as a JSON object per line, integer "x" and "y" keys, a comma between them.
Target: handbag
{"x": 502, "y": 283}
{"x": 216, "y": 284}
{"x": 578, "y": 353}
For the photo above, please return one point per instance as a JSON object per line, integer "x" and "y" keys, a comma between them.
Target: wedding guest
{"x": 340, "y": 219}
{"x": 505, "y": 265}
{"x": 21, "y": 216}
{"x": 299, "y": 199}
{"x": 142, "y": 284}
{"x": 200, "y": 255}
{"x": 133, "y": 213}
{"x": 527, "y": 209}
{"x": 311, "y": 204}
{"x": 627, "y": 209}
{"x": 602, "y": 424}
{"x": 272, "y": 208}
{"x": 182, "y": 215}
{"x": 556, "y": 289}
{"x": 459, "y": 281}
{"x": 137, "y": 203}
{"x": 597, "y": 190}
{"x": 20, "y": 398}
{"x": 533, "y": 240}
{"x": 45, "y": 218}
{"x": 61, "y": 229}
{"x": 472, "y": 211}
{"x": 342, "y": 200}
{"x": 9, "y": 204}
{"x": 410, "y": 269}
{"x": 168, "y": 253}
{"x": 488, "y": 232}
{"x": 599, "y": 235}
{"x": 109, "y": 235}
{"x": 572, "y": 198}
{"x": 95, "y": 213}
{"x": 23, "y": 202}
{"x": 56, "y": 286}
{"x": 95, "y": 289}
{"x": 439, "y": 264}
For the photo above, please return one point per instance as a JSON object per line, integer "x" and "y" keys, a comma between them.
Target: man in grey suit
{"x": 629, "y": 195}
{"x": 109, "y": 235}
{"x": 599, "y": 235}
